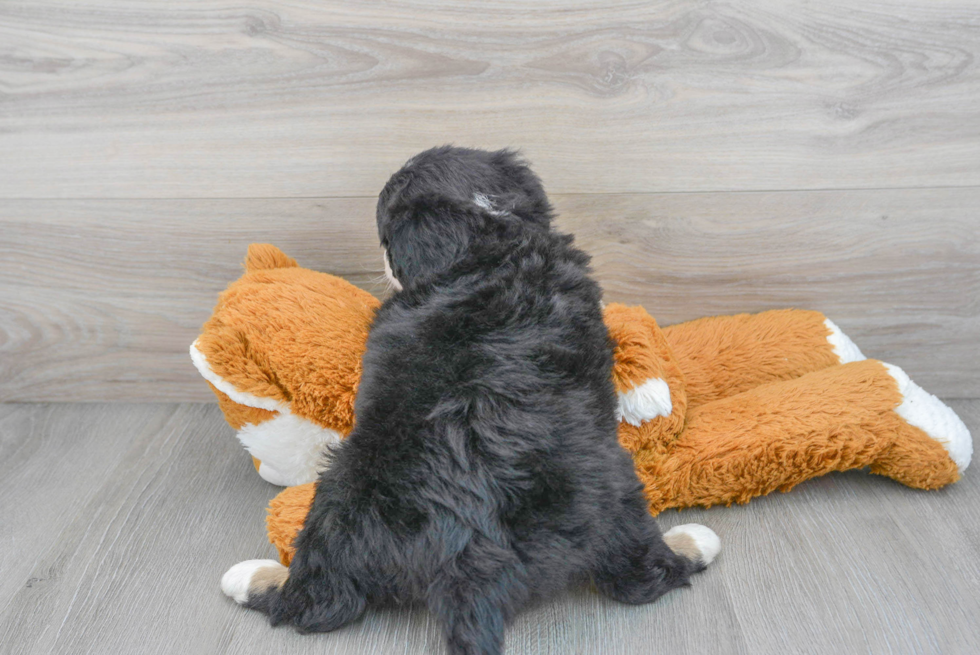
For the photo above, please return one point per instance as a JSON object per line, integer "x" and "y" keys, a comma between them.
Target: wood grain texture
{"x": 130, "y": 98}
{"x": 100, "y": 299}
{"x": 120, "y": 519}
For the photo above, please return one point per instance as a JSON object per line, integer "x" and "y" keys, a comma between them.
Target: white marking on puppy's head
{"x": 484, "y": 202}
{"x": 390, "y": 274}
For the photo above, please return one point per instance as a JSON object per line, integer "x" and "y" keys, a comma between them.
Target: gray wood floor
{"x": 119, "y": 519}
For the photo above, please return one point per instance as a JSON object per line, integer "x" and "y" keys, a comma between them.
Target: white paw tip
{"x": 845, "y": 349}
{"x": 931, "y": 415}
{"x": 236, "y": 580}
{"x": 704, "y": 538}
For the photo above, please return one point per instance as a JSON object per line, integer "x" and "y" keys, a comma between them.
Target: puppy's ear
{"x": 526, "y": 197}
{"x": 429, "y": 235}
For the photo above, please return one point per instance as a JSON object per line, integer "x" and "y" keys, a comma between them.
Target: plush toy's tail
{"x": 263, "y": 256}
{"x": 861, "y": 414}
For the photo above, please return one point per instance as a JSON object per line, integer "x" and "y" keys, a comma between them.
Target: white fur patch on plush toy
{"x": 645, "y": 402}
{"x": 931, "y": 415}
{"x": 288, "y": 446}
{"x": 225, "y": 387}
{"x": 845, "y": 349}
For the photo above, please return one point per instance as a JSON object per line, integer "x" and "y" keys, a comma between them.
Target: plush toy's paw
{"x": 251, "y": 578}
{"x": 926, "y": 412}
{"x": 696, "y": 542}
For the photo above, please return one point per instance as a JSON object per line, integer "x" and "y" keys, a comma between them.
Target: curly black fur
{"x": 484, "y": 469}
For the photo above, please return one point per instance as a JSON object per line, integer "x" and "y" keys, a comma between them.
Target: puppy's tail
{"x": 255, "y": 583}
{"x": 694, "y": 542}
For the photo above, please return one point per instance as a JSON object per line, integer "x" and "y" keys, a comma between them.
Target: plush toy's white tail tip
{"x": 931, "y": 415}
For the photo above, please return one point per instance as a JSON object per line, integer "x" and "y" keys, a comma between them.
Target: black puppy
{"x": 484, "y": 469}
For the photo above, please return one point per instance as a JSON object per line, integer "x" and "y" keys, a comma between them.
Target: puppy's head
{"x": 446, "y": 201}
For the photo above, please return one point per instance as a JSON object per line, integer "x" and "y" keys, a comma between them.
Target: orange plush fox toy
{"x": 717, "y": 410}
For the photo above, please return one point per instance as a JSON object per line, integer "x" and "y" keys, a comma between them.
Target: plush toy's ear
{"x": 427, "y": 236}
{"x": 263, "y": 256}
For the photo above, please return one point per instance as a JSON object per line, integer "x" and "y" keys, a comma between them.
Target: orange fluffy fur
{"x": 758, "y": 402}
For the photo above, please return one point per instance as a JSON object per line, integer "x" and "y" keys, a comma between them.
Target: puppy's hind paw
{"x": 253, "y": 577}
{"x": 696, "y": 542}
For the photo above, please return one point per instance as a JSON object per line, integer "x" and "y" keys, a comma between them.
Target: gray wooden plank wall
{"x": 715, "y": 158}
{"x": 205, "y": 98}
{"x": 101, "y": 298}
{"x": 119, "y": 519}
